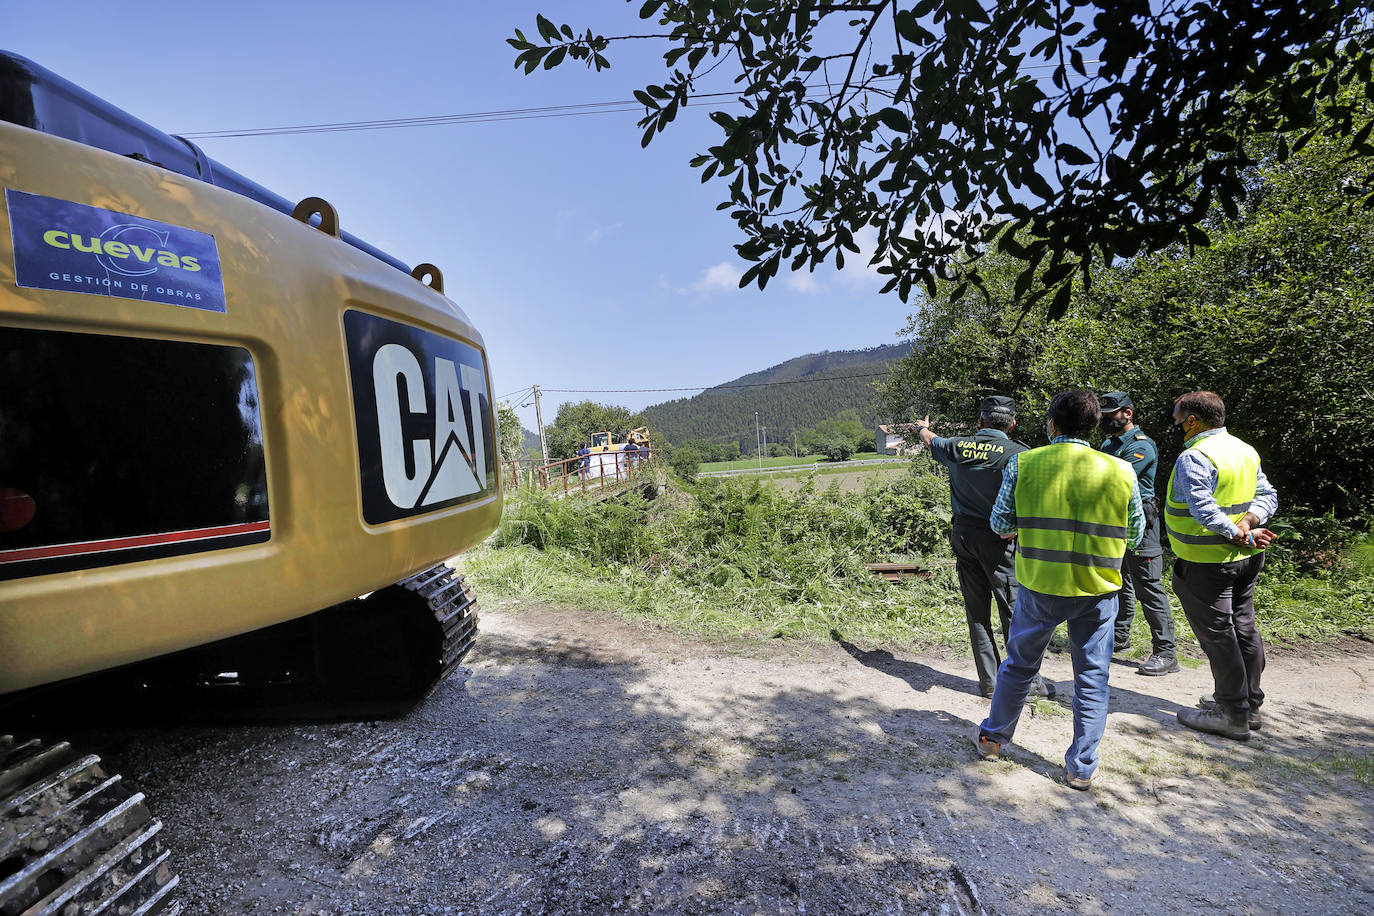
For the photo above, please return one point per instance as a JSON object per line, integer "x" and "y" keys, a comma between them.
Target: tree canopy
{"x": 1073, "y": 132}
{"x": 1276, "y": 315}
{"x": 577, "y": 421}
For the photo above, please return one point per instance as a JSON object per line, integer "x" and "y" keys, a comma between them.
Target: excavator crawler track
{"x": 372, "y": 657}
{"x": 75, "y": 840}
{"x": 454, "y": 605}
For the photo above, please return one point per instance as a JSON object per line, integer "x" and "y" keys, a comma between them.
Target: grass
{"x": 752, "y": 464}
{"x": 749, "y": 558}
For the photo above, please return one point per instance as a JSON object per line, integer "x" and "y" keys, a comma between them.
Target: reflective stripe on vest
{"x": 1072, "y": 504}
{"x": 1237, "y": 467}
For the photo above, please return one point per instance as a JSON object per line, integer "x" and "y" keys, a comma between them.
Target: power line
{"x": 479, "y": 117}
{"x": 512, "y": 395}
{"x": 705, "y": 388}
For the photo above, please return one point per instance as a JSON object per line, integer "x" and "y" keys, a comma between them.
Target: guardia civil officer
{"x": 1143, "y": 570}
{"x": 984, "y": 562}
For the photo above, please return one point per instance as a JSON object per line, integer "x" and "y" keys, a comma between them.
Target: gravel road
{"x": 588, "y": 765}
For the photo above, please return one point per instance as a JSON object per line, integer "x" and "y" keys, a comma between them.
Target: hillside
{"x": 816, "y": 388}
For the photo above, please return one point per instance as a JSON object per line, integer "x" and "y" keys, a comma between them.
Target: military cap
{"x": 1113, "y": 401}
{"x": 997, "y": 404}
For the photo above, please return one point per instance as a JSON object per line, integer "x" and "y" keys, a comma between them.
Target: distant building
{"x": 891, "y": 440}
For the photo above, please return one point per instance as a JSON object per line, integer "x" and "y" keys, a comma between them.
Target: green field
{"x": 752, "y": 464}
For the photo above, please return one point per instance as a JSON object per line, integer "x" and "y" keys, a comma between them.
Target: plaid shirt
{"x": 1003, "y": 519}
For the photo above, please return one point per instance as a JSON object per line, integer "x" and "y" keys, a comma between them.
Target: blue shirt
{"x": 1195, "y": 483}
{"x": 1003, "y": 519}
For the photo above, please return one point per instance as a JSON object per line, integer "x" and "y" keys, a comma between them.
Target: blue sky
{"x": 585, "y": 261}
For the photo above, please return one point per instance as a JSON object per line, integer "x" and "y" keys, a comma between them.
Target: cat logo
{"x": 449, "y": 463}
{"x": 424, "y": 418}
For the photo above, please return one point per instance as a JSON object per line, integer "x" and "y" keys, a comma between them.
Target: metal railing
{"x": 596, "y": 473}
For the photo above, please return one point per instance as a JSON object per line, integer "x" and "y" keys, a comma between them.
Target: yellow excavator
{"x": 236, "y": 447}
{"x": 605, "y": 442}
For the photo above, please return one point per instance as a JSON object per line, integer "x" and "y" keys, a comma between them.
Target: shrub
{"x": 838, "y": 449}
{"x": 686, "y": 461}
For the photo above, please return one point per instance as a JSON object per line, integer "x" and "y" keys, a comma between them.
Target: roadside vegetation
{"x": 743, "y": 557}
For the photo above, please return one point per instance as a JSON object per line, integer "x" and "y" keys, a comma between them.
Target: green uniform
{"x": 1142, "y": 573}
{"x": 1138, "y": 450}
{"x": 975, "y": 466}
{"x": 983, "y": 561}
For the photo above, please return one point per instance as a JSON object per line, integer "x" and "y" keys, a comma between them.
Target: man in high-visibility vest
{"x": 1074, "y": 511}
{"x": 1217, "y": 503}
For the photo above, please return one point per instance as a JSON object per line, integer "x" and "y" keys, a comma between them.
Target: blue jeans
{"x": 1090, "y": 622}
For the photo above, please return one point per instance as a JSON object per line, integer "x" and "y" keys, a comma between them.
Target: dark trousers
{"x": 1142, "y": 577}
{"x": 986, "y": 565}
{"x": 1219, "y": 599}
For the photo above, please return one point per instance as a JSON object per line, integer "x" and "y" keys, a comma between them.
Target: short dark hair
{"x": 997, "y": 419}
{"x": 1075, "y": 413}
{"x": 1207, "y": 406}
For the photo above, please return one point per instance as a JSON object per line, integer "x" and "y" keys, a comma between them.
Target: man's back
{"x": 975, "y": 466}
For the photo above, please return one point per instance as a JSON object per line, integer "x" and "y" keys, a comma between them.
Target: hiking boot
{"x": 1217, "y": 721}
{"x": 987, "y": 748}
{"x": 1158, "y": 666}
{"x": 1081, "y": 783}
{"x": 1256, "y": 720}
{"x": 1039, "y": 687}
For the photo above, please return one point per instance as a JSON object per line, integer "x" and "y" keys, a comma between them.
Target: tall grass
{"x": 740, "y": 557}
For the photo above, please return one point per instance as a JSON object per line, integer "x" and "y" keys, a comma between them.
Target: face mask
{"x": 1178, "y": 430}
{"x": 1114, "y": 424}
{"x": 1048, "y": 435}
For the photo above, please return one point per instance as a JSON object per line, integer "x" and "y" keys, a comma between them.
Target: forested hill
{"x": 723, "y": 413}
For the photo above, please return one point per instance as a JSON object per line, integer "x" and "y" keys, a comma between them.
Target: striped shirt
{"x": 1195, "y": 482}
{"x": 1003, "y": 519}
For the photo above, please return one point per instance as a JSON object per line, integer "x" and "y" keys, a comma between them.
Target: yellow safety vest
{"x": 1072, "y": 505}
{"x": 1237, "y": 467}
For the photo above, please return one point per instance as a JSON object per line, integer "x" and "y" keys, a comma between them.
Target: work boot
{"x": 987, "y": 748}
{"x": 1217, "y": 721}
{"x": 1158, "y": 666}
{"x": 1081, "y": 783}
{"x": 1256, "y": 720}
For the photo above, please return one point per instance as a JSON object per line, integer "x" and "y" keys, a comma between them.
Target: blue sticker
{"x": 71, "y": 247}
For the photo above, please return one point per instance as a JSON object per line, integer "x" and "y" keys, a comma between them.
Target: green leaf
{"x": 1072, "y": 155}
{"x": 895, "y": 119}
{"x": 1060, "y": 305}
{"x": 547, "y": 30}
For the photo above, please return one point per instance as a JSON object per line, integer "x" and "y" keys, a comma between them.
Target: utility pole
{"x": 757, "y": 448}
{"x": 765, "y": 440}
{"x": 539, "y": 416}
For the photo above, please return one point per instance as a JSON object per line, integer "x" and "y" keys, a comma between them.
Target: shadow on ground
{"x": 557, "y": 779}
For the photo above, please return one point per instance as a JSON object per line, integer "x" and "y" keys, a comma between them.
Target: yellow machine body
{"x": 288, "y": 290}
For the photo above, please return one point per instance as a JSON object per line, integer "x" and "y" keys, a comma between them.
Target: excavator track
{"x": 454, "y": 606}
{"x": 372, "y": 657}
{"x": 74, "y": 840}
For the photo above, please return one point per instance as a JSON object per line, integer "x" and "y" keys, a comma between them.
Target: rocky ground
{"x": 587, "y": 765}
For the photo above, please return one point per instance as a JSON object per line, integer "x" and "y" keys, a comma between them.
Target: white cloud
{"x": 857, "y": 272}
{"x": 803, "y": 282}
{"x": 722, "y": 277}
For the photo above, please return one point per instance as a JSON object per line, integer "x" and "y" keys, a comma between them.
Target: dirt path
{"x": 589, "y": 766}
